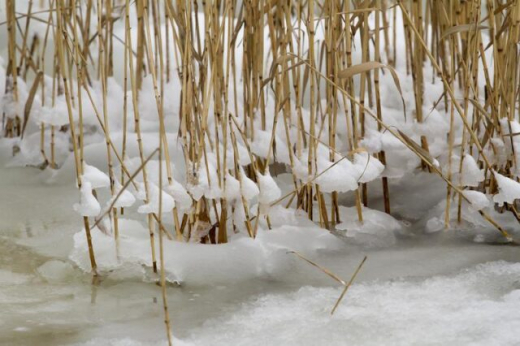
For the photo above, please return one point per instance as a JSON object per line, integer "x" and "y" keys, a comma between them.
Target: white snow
{"x": 376, "y": 229}
{"x": 88, "y": 205}
{"x": 157, "y": 198}
{"x": 472, "y": 175}
{"x": 477, "y": 306}
{"x": 232, "y": 190}
{"x": 125, "y": 200}
{"x": 508, "y": 189}
{"x": 368, "y": 167}
{"x": 269, "y": 190}
{"x": 478, "y": 200}
{"x": 249, "y": 189}
{"x": 182, "y": 199}
{"x": 95, "y": 177}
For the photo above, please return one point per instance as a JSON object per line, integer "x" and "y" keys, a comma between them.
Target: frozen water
{"x": 55, "y": 271}
{"x": 477, "y": 306}
{"x": 400, "y": 293}
{"x": 415, "y": 288}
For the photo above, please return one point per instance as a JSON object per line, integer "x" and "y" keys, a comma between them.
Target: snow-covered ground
{"x": 428, "y": 289}
{"x": 421, "y": 284}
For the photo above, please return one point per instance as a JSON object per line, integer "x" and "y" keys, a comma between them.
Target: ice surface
{"x": 414, "y": 286}
{"x": 10, "y": 278}
{"x": 55, "y": 271}
{"x": 129, "y": 342}
{"x": 477, "y": 306}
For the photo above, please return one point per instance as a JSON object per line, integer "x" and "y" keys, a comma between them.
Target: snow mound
{"x": 249, "y": 188}
{"x": 95, "y": 177}
{"x": 269, "y": 190}
{"x": 125, "y": 200}
{"x": 182, "y": 198}
{"x": 472, "y": 175}
{"x": 509, "y": 190}
{"x": 477, "y": 199}
{"x": 167, "y": 201}
{"x": 377, "y": 229}
{"x": 88, "y": 205}
{"x": 241, "y": 259}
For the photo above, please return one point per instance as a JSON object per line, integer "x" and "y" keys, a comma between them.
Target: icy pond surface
{"x": 435, "y": 289}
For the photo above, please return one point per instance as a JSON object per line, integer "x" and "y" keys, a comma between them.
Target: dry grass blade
{"x": 462, "y": 28}
{"x": 325, "y": 270}
{"x": 30, "y": 100}
{"x": 334, "y": 276}
{"x": 351, "y": 71}
{"x": 418, "y": 149}
{"x": 360, "y": 68}
{"x": 347, "y": 286}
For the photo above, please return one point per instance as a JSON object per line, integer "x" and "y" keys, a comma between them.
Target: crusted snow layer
{"x": 477, "y": 200}
{"x": 88, "y": 205}
{"x": 95, "y": 177}
{"x": 269, "y": 190}
{"x": 157, "y": 200}
{"x": 376, "y": 229}
{"x": 240, "y": 259}
{"x": 472, "y": 175}
{"x": 509, "y": 189}
{"x": 478, "y": 306}
{"x": 125, "y": 200}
